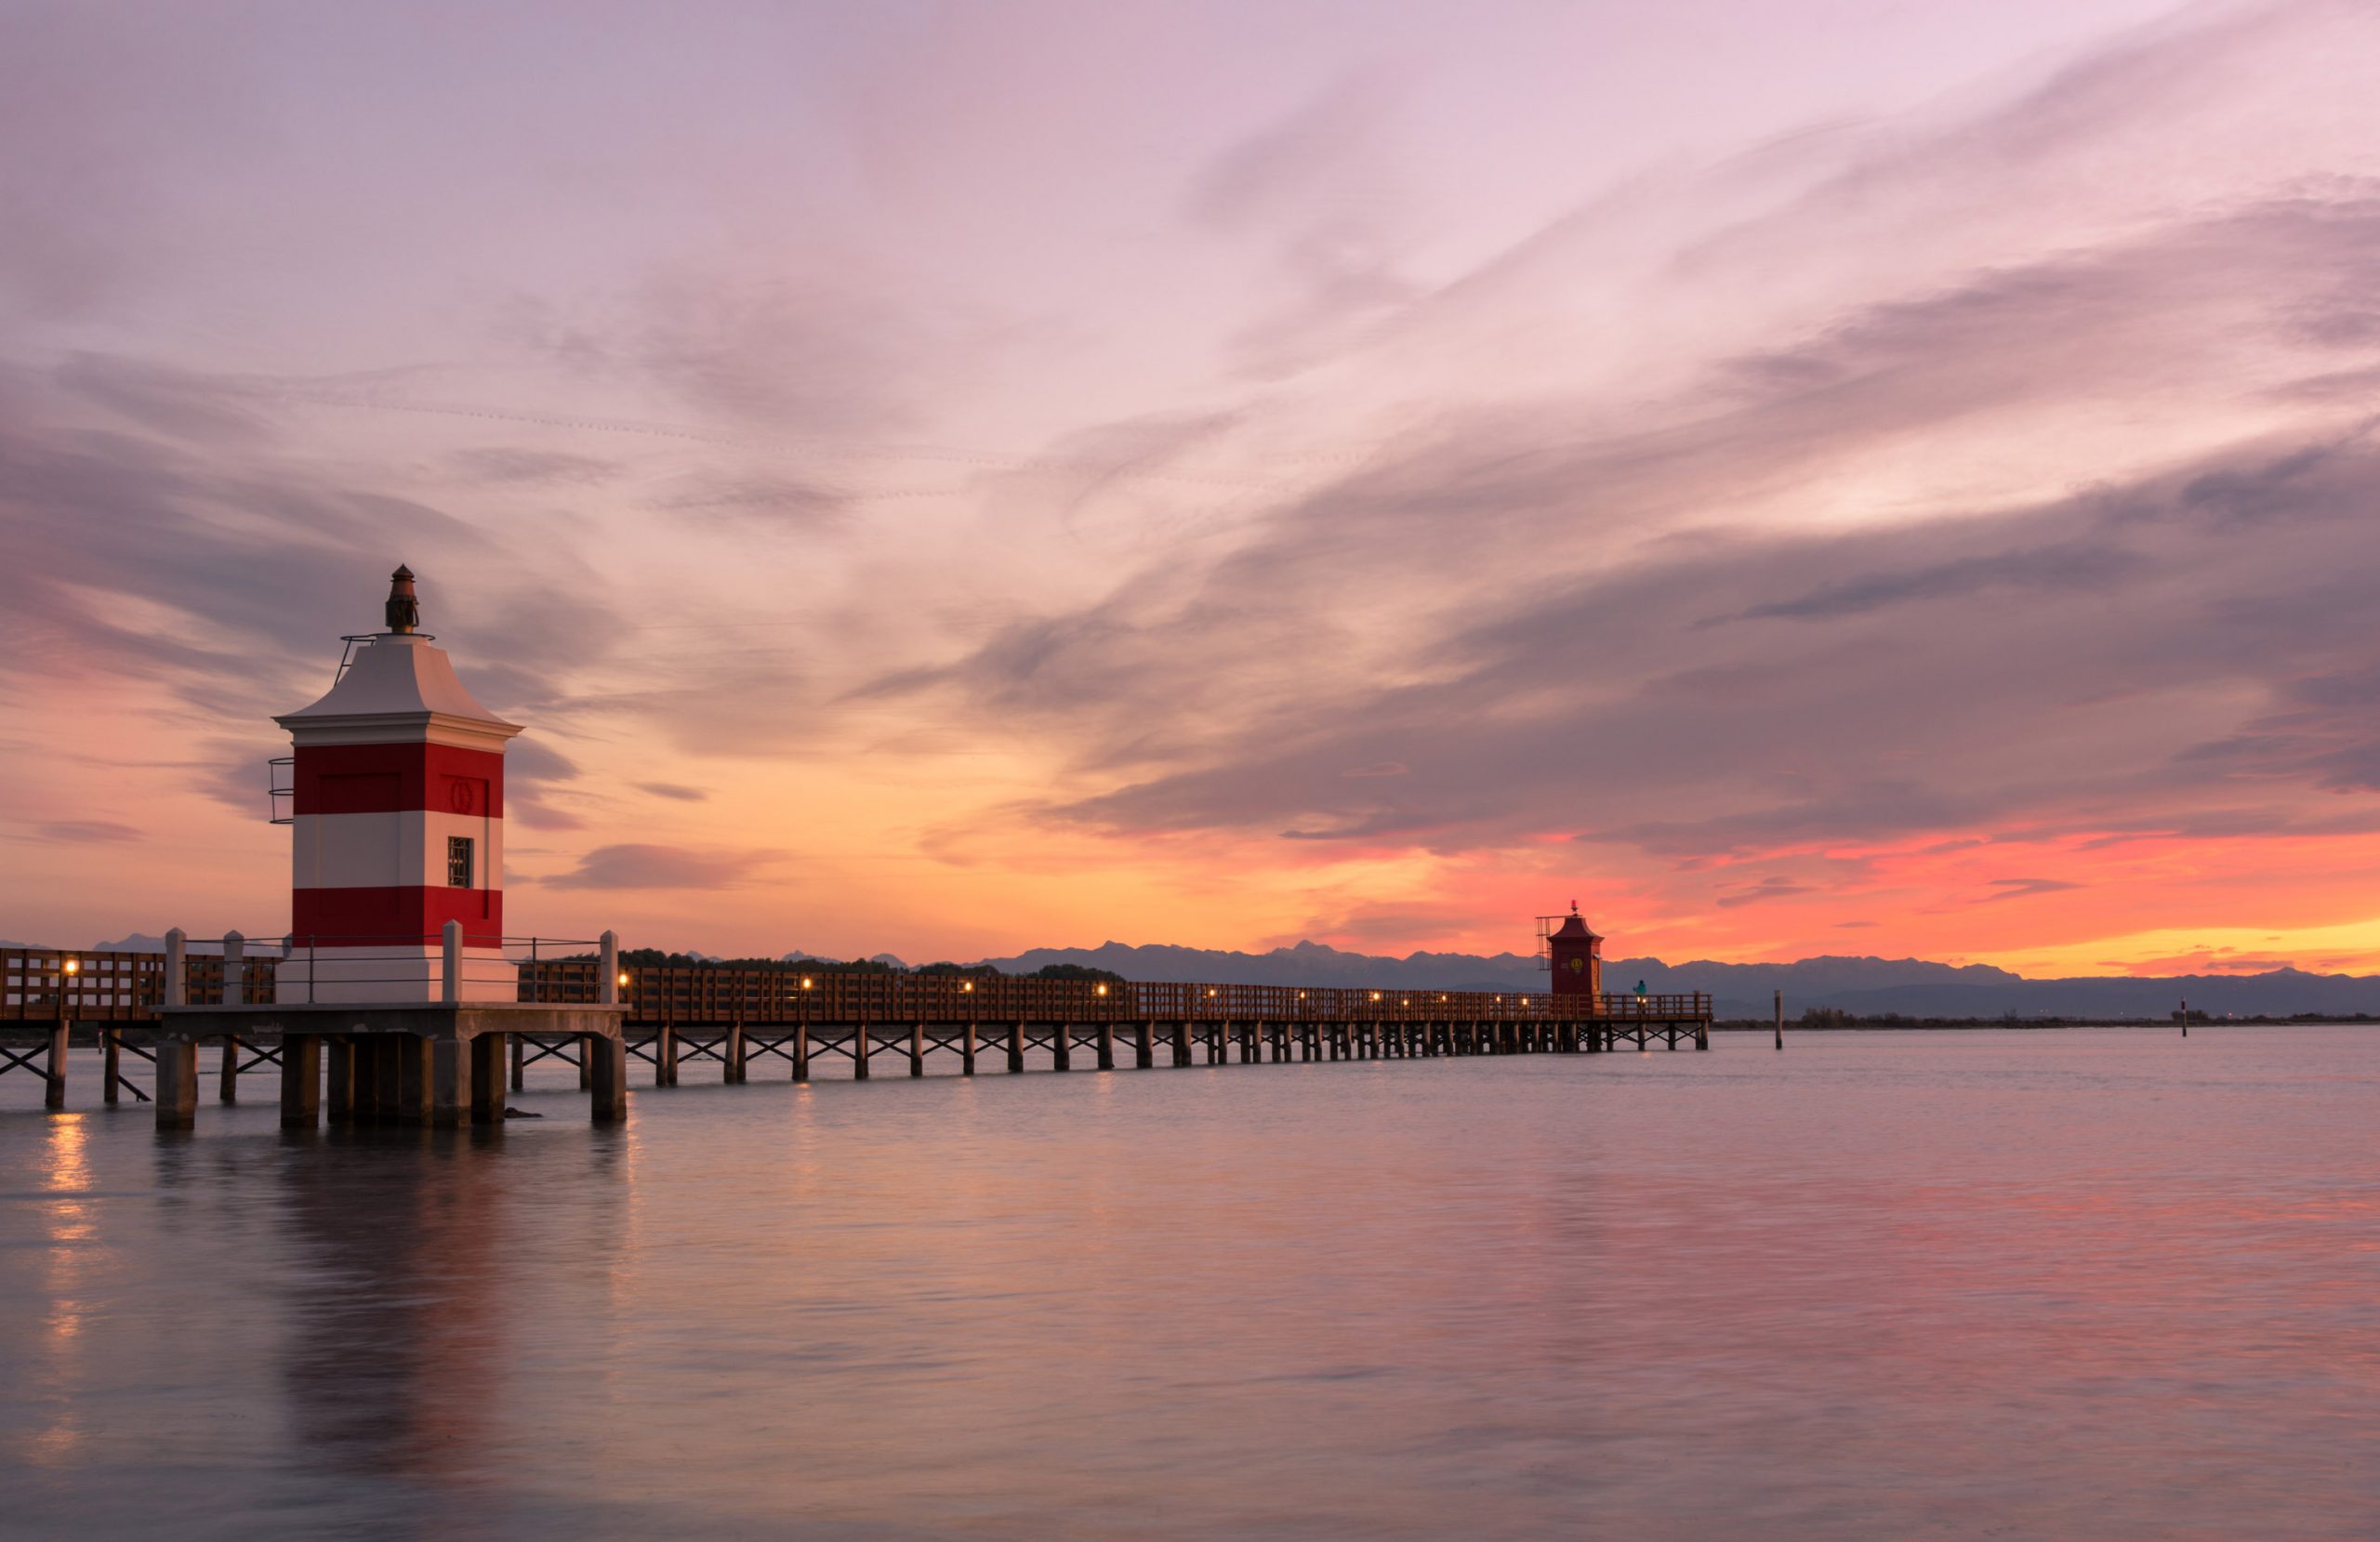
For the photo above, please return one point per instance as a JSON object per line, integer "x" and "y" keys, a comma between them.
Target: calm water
{"x": 1989, "y": 1284}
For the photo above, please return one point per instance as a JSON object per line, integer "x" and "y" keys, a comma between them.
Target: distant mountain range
{"x": 1913, "y": 987}
{"x": 1867, "y": 987}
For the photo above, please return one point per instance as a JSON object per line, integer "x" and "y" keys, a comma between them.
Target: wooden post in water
{"x": 520, "y": 1062}
{"x": 802, "y": 1051}
{"x": 861, "y": 1033}
{"x": 1062, "y": 1047}
{"x": 732, "y": 1070}
{"x": 1143, "y": 1044}
{"x": 967, "y": 1053}
{"x": 917, "y": 1049}
{"x": 1780, "y": 1019}
{"x": 2186, "y": 1017}
{"x": 1016, "y": 1049}
{"x": 111, "y": 1052}
{"x": 1179, "y": 1036}
{"x": 1106, "y": 1045}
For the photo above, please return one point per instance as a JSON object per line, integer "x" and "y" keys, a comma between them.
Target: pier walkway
{"x": 799, "y": 1018}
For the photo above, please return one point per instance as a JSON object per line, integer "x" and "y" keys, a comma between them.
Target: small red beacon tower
{"x": 397, "y": 779}
{"x": 1573, "y": 953}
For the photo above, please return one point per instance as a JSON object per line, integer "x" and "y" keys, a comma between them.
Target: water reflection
{"x": 393, "y": 1358}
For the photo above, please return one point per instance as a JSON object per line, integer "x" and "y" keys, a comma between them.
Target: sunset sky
{"x": 1798, "y": 476}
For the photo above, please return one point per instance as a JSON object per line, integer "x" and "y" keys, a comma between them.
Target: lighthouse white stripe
{"x": 401, "y": 850}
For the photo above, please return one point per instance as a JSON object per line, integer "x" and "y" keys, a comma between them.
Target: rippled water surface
{"x": 1977, "y": 1285}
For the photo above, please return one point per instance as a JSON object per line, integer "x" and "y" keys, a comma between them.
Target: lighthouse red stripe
{"x": 377, "y": 779}
{"x": 351, "y": 917}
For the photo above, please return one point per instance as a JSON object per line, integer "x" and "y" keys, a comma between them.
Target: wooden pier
{"x": 788, "y": 1021}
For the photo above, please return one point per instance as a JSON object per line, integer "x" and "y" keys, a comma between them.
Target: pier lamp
{"x": 805, "y": 982}
{"x": 623, "y": 980}
{"x": 74, "y": 966}
{"x": 1375, "y": 995}
{"x": 1102, "y": 990}
{"x": 969, "y": 985}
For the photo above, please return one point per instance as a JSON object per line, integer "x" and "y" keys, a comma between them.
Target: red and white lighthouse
{"x": 398, "y": 784}
{"x": 1575, "y": 955}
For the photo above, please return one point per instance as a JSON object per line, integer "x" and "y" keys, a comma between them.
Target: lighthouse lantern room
{"x": 398, "y": 783}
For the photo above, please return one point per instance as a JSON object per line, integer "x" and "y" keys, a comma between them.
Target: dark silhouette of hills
{"x": 1863, "y": 986}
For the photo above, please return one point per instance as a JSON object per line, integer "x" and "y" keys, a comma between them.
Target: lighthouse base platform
{"x": 436, "y": 1064}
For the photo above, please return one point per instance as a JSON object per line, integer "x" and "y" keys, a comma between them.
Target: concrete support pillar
{"x": 966, "y": 1052}
{"x": 917, "y": 1049}
{"x": 1143, "y": 1044}
{"x": 487, "y": 1078}
{"x": 450, "y": 1083}
{"x": 301, "y": 1081}
{"x": 861, "y": 1034}
{"x": 415, "y": 1075}
{"x": 339, "y": 1061}
{"x": 1107, "y": 1047}
{"x": 1016, "y": 1048}
{"x": 607, "y": 1059}
{"x": 177, "y": 1084}
{"x": 53, "y": 1075}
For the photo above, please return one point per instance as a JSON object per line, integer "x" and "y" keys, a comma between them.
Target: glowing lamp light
{"x": 970, "y": 985}
{"x": 806, "y": 983}
{"x": 74, "y": 966}
{"x": 1102, "y": 990}
{"x": 1375, "y": 995}
{"x": 623, "y": 980}
{"x": 1210, "y": 990}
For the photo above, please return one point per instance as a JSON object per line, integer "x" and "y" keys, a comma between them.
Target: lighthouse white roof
{"x": 399, "y": 688}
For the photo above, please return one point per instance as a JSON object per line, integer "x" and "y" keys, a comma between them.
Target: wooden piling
{"x": 1016, "y": 1049}
{"x": 1780, "y": 1019}
{"x": 802, "y": 1051}
{"x": 1143, "y": 1046}
{"x": 111, "y": 1054}
{"x": 917, "y": 1049}
{"x": 1107, "y": 1047}
{"x": 967, "y": 1053}
{"x": 861, "y": 1033}
{"x": 1062, "y": 1047}
{"x": 227, "y": 1081}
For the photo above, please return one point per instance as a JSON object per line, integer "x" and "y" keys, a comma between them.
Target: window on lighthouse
{"x": 459, "y": 866}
